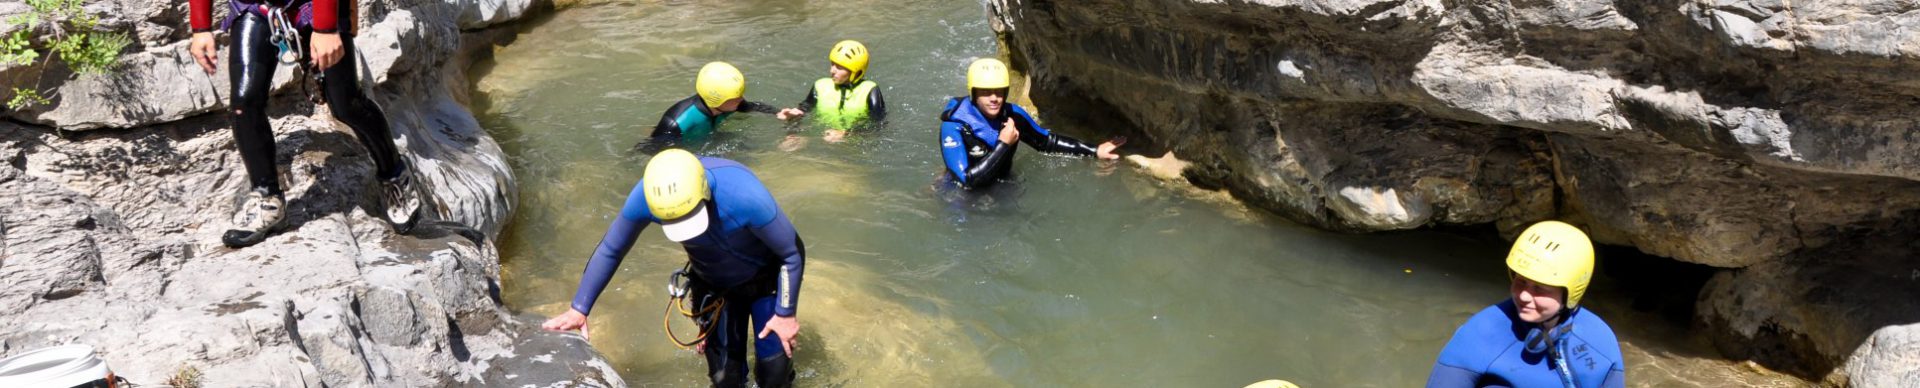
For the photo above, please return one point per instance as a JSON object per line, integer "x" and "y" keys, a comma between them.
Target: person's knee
{"x": 245, "y": 104}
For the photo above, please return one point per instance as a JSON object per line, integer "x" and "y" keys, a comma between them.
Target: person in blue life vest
{"x": 745, "y": 263}
{"x": 719, "y": 91}
{"x": 846, "y": 98}
{"x": 979, "y": 133}
{"x": 1541, "y": 336}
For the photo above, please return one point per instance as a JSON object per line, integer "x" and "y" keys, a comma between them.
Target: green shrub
{"x": 73, "y": 37}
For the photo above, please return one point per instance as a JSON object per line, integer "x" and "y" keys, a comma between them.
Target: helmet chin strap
{"x": 1546, "y": 339}
{"x": 1544, "y": 336}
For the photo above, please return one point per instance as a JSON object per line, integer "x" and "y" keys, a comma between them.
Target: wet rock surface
{"x": 1777, "y": 142}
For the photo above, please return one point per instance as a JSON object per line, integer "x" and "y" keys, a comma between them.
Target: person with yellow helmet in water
{"x": 978, "y": 133}
{"x": 1540, "y": 336}
{"x": 745, "y": 262}
{"x": 719, "y": 91}
{"x": 846, "y": 98}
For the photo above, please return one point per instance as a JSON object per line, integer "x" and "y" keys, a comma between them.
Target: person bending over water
{"x": 1540, "y": 336}
{"x": 746, "y": 262}
{"x": 978, "y": 134}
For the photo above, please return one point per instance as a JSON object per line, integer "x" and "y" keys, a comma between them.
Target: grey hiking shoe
{"x": 403, "y": 202}
{"x": 258, "y": 215}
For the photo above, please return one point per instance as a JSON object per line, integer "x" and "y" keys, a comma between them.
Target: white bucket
{"x": 59, "y": 366}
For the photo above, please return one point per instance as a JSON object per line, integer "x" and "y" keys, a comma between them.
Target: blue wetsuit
{"x": 750, "y": 256}
{"x": 1490, "y": 350}
{"x": 970, "y": 142}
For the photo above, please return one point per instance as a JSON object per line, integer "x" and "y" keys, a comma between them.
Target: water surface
{"x": 1079, "y": 273}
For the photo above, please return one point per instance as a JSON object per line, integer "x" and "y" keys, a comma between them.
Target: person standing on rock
{"x": 978, "y": 134}
{"x": 315, "y": 33}
{"x": 719, "y": 90}
{"x": 1540, "y": 337}
{"x": 746, "y": 262}
{"x": 846, "y": 98}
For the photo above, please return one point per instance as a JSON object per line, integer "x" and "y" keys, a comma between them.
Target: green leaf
{"x": 23, "y": 97}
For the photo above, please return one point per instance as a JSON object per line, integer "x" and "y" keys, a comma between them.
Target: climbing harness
{"x": 677, "y": 292}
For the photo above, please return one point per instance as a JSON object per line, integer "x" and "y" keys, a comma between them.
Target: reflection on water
{"x": 1068, "y": 276}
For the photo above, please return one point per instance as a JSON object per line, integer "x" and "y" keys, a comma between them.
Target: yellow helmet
{"x": 719, "y": 82}
{"x": 675, "y": 185}
{"x": 851, "y": 55}
{"x": 987, "y": 73}
{"x": 1555, "y": 254}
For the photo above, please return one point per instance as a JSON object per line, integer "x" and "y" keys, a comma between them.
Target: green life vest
{"x": 841, "y": 108}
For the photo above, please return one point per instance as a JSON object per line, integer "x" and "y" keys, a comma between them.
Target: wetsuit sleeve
{"x": 876, "y": 106}
{"x": 780, "y": 237}
{"x": 200, "y": 15}
{"x": 1039, "y": 138}
{"x": 953, "y": 148}
{"x": 669, "y": 125}
{"x": 326, "y": 16}
{"x": 808, "y": 104}
{"x": 613, "y": 248}
{"x": 755, "y": 107}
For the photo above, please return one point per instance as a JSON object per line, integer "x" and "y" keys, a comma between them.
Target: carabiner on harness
{"x": 285, "y": 37}
{"x": 678, "y": 291}
{"x": 677, "y": 284}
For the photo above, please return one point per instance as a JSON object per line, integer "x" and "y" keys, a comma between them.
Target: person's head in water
{"x": 1550, "y": 266}
{"x": 849, "y": 62}
{"x": 721, "y": 86}
{"x": 987, "y": 80}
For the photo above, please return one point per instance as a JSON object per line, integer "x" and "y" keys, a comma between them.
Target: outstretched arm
{"x": 755, "y": 107}
{"x": 613, "y": 247}
{"x": 1046, "y": 141}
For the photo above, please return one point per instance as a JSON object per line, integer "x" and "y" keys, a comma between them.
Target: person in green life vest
{"x": 719, "y": 90}
{"x": 846, "y": 98}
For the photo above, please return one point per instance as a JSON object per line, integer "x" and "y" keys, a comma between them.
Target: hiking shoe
{"x": 403, "y": 202}
{"x": 258, "y": 215}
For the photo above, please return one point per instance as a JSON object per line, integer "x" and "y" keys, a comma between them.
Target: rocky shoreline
{"x": 1774, "y": 141}
{"x": 113, "y": 198}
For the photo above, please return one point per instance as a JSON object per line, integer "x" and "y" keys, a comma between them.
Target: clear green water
{"x": 1079, "y": 274}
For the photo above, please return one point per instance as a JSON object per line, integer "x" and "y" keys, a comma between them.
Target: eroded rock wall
{"x": 112, "y": 201}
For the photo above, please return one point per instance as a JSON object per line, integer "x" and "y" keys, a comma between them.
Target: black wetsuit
{"x": 691, "y": 118}
{"x": 252, "y": 60}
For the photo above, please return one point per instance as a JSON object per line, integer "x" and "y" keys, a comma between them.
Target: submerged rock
{"x": 1779, "y": 141}
{"x": 110, "y": 237}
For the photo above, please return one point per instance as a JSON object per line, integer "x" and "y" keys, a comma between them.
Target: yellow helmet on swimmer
{"x": 851, "y": 55}
{"x": 1555, "y": 254}
{"x": 675, "y": 185}
{"x": 987, "y": 73}
{"x": 719, "y": 82}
